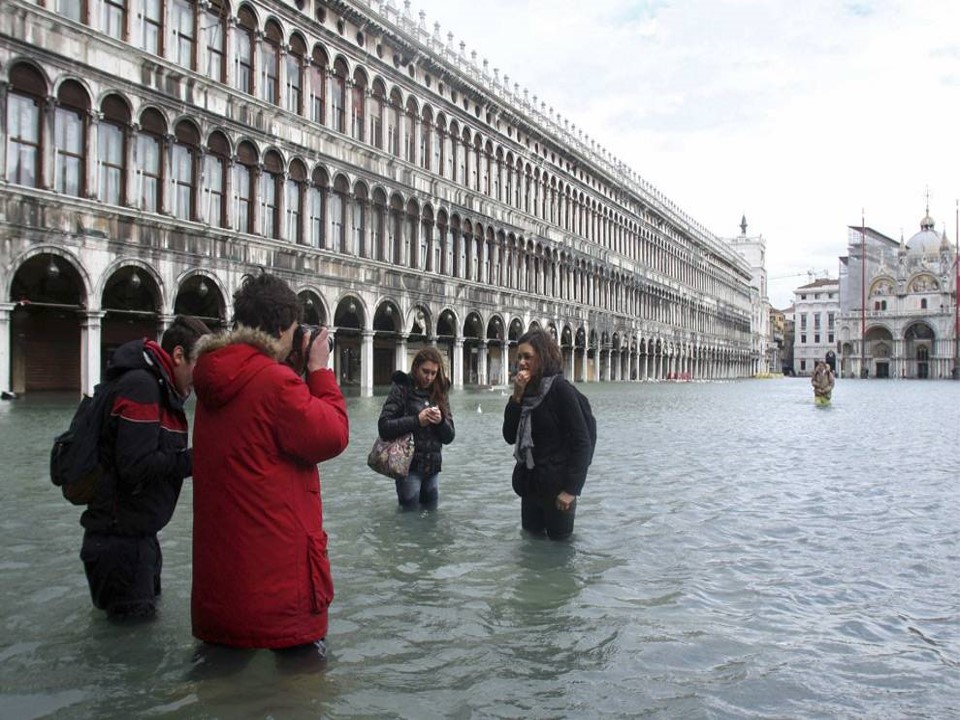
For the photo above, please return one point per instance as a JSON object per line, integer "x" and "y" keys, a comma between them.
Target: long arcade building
{"x": 156, "y": 151}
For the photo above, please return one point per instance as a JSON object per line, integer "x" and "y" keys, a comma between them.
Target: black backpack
{"x": 75, "y": 457}
{"x": 590, "y": 419}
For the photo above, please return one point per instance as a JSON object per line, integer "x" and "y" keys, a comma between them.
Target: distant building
{"x": 788, "y": 341}
{"x": 754, "y": 251}
{"x": 898, "y": 313}
{"x": 776, "y": 347}
{"x": 816, "y": 309}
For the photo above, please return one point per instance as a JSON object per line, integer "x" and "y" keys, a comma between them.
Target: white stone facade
{"x": 899, "y": 313}
{"x": 763, "y": 355}
{"x": 155, "y": 153}
{"x": 816, "y": 311}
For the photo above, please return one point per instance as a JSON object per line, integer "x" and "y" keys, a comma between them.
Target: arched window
{"x": 149, "y": 26}
{"x": 358, "y": 94}
{"x": 111, "y": 149}
{"x": 243, "y": 50}
{"x": 318, "y": 83}
{"x": 377, "y": 117}
{"x": 270, "y": 64}
{"x": 213, "y": 34}
{"x": 409, "y": 131}
{"x": 24, "y": 139}
{"x": 451, "y": 146}
{"x": 317, "y": 197}
{"x": 476, "y": 253}
{"x": 244, "y": 187}
{"x": 426, "y": 136}
{"x": 393, "y": 123}
{"x": 445, "y": 234}
{"x": 293, "y": 202}
{"x": 338, "y": 96}
{"x": 183, "y": 19}
{"x": 923, "y": 303}
{"x": 439, "y": 143}
{"x": 476, "y": 169}
{"x": 395, "y": 231}
{"x": 358, "y": 231}
{"x": 380, "y": 226}
{"x": 518, "y": 185}
{"x": 464, "y": 169}
{"x": 212, "y": 206}
{"x": 338, "y": 215}
{"x": 70, "y": 139}
{"x": 113, "y": 18}
{"x": 461, "y": 270}
{"x": 183, "y": 171}
{"x": 488, "y": 169}
{"x": 295, "y": 61}
{"x": 270, "y": 188}
{"x": 436, "y": 262}
{"x": 147, "y": 159}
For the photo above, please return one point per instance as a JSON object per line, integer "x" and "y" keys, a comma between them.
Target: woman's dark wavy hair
{"x": 441, "y": 384}
{"x": 267, "y": 303}
{"x": 542, "y": 342}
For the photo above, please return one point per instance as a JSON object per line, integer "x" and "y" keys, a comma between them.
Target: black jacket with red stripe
{"x": 143, "y": 445}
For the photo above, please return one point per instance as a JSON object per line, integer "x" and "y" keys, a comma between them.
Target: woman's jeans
{"x": 417, "y": 487}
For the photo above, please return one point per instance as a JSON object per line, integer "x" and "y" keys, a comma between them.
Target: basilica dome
{"x": 926, "y": 241}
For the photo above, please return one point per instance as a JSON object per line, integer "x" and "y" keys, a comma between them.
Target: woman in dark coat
{"x": 552, "y": 441}
{"x": 418, "y": 403}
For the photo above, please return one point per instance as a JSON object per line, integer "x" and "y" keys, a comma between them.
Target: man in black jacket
{"x": 143, "y": 449}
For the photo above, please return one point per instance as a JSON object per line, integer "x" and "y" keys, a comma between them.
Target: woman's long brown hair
{"x": 441, "y": 384}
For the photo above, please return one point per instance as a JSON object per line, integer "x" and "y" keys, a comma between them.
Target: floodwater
{"x": 739, "y": 553}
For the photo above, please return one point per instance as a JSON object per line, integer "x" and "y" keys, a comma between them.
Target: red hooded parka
{"x": 261, "y": 575}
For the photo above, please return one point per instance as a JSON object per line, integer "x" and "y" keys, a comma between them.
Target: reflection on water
{"x": 738, "y": 553}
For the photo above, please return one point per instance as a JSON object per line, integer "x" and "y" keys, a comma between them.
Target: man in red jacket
{"x": 261, "y": 575}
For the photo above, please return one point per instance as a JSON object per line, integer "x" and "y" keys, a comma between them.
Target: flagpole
{"x": 863, "y": 296}
{"x": 956, "y": 294}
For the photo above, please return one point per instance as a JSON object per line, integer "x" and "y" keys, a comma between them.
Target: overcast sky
{"x": 799, "y": 114}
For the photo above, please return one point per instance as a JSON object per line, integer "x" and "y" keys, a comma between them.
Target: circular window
{"x": 360, "y": 39}
{"x": 340, "y": 26}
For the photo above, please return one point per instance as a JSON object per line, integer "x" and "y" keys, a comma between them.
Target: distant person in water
{"x": 822, "y": 381}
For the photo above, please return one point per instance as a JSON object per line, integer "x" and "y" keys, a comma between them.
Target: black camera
{"x": 304, "y": 329}
{"x": 298, "y": 354}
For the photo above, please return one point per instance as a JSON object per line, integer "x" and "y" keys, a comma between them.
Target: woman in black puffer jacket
{"x": 553, "y": 447}
{"x": 418, "y": 403}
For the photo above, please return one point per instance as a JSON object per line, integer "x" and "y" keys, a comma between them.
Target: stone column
{"x": 505, "y": 363}
{"x": 366, "y": 363}
{"x": 91, "y": 184}
{"x": 6, "y": 311}
{"x": 4, "y": 89}
{"x": 482, "y": 363}
{"x": 48, "y": 161}
{"x": 457, "y": 363}
{"x": 400, "y": 356}
{"x": 90, "y": 351}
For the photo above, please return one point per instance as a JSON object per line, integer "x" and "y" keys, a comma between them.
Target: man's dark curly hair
{"x": 267, "y": 303}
